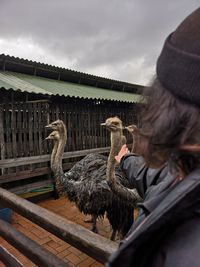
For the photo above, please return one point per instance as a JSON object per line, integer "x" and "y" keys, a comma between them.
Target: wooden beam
{"x": 39, "y": 101}
{"x": 88, "y": 242}
{"x": 28, "y": 247}
{"x": 7, "y": 163}
{"x": 21, "y": 175}
{"x": 8, "y": 259}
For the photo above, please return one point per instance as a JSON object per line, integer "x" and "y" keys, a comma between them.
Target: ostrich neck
{"x": 58, "y": 151}
{"x": 62, "y": 183}
{"x": 135, "y": 143}
{"x": 129, "y": 196}
{"x": 53, "y": 154}
{"x": 116, "y": 138}
{"x": 57, "y": 160}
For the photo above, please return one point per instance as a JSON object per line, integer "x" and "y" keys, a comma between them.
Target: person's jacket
{"x": 168, "y": 231}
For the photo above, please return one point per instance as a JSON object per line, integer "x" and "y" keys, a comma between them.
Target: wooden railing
{"x": 16, "y": 162}
{"x": 28, "y": 247}
{"x": 21, "y": 175}
{"x": 86, "y": 241}
{"x": 8, "y": 259}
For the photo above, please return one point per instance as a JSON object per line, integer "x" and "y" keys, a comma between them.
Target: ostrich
{"x": 123, "y": 192}
{"x": 77, "y": 184}
{"x": 134, "y": 131}
{"x": 86, "y": 185}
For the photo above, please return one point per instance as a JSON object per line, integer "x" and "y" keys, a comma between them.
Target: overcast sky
{"x": 118, "y": 39}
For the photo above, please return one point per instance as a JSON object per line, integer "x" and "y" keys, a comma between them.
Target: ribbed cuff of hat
{"x": 179, "y": 72}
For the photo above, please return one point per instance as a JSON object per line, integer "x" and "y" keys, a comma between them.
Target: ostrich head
{"x": 53, "y": 136}
{"x": 57, "y": 125}
{"x": 113, "y": 124}
{"x": 132, "y": 128}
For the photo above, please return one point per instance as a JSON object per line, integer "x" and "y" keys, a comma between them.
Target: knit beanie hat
{"x": 178, "y": 66}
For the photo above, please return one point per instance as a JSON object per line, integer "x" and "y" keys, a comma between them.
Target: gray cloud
{"x": 116, "y": 39}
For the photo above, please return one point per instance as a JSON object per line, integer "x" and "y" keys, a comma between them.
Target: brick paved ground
{"x": 69, "y": 254}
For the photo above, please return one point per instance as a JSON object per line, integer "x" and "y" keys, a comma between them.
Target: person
{"x": 167, "y": 233}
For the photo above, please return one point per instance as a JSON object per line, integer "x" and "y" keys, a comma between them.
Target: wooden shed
{"x": 32, "y": 95}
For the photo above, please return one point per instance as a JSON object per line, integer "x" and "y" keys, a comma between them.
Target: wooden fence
{"x": 22, "y": 130}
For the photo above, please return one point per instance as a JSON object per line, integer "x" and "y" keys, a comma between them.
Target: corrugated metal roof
{"x": 40, "y": 85}
{"x": 16, "y": 64}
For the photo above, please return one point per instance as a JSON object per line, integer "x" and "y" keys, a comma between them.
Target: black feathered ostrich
{"x": 86, "y": 184}
{"x": 77, "y": 184}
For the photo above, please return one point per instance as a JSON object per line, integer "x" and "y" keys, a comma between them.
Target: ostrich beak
{"x": 103, "y": 124}
{"x": 126, "y": 128}
{"x": 49, "y": 126}
{"x": 47, "y": 138}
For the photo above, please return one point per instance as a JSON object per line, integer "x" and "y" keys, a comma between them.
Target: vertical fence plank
{"x": 46, "y": 120}
{"x": 2, "y": 141}
{"x": 40, "y": 126}
{"x": 13, "y": 129}
{"x": 26, "y": 145}
{"x": 19, "y": 130}
{"x": 30, "y": 136}
{"x": 7, "y": 131}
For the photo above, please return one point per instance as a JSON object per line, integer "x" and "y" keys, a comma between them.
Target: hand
{"x": 124, "y": 150}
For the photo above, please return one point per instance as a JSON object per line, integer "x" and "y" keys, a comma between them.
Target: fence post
{"x": 2, "y": 142}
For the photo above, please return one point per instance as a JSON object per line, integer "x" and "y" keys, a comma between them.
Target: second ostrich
{"x": 134, "y": 131}
{"x": 129, "y": 196}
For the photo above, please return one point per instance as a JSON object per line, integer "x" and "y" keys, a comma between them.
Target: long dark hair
{"x": 168, "y": 123}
